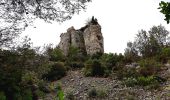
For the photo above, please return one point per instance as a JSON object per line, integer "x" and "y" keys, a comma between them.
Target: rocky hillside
{"x": 79, "y": 87}
{"x": 88, "y": 39}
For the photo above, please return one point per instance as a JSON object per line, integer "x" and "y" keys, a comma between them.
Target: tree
{"x": 8, "y": 32}
{"x": 165, "y": 9}
{"x": 148, "y": 44}
{"x": 57, "y": 10}
{"x": 21, "y": 69}
{"x": 160, "y": 34}
{"x": 131, "y": 54}
{"x": 16, "y": 15}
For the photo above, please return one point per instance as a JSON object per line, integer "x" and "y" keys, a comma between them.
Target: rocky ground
{"x": 79, "y": 86}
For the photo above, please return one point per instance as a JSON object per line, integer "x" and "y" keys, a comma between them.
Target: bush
{"x": 75, "y": 65}
{"x": 124, "y": 72}
{"x": 102, "y": 93}
{"x": 92, "y": 93}
{"x": 97, "y": 93}
{"x": 60, "y": 93}
{"x": 130, "y": 82}
{"x": 27, "y": 94}
{"x": 97, "y": 55}
{"x": 55, "y": 54}
{"x": 2, "y": 96}
{"x": 164, "y": 55}
{"x": 94, "y": 68}
{"x": 149, "y": 81}
{"x": 58, "y": 70}
{"x": 149, "y": 67}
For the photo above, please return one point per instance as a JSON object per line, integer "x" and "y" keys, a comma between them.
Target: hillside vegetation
{"x": 142, "y": 72}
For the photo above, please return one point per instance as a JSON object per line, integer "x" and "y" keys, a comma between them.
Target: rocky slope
{"x": 80, "y": 86}
{"x": 88, "y": 39}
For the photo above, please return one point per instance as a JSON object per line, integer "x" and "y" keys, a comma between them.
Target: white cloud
{"x": 120, "y": 21}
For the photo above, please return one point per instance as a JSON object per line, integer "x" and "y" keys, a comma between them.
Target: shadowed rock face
{"x": 88, "y": 39}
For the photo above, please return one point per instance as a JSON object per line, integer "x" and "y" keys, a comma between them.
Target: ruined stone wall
{"x": 88, "y": 39}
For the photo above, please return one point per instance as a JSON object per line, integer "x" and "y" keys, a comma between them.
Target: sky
{"x": 120, "y": 21}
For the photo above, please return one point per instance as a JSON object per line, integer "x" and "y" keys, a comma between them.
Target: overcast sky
{"x": 120, "y": 21}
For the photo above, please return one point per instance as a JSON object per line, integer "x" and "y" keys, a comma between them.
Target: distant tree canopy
{"x": 165, "y": 9}
{"x": 148, "y": 44}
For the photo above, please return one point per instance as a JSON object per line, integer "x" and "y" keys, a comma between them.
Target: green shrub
{"x": 55, "y": 54}
{"x": 151, "y": 82}
{"x": 92, "y": 93}
{"x": 144, "y": 81}
{"x": 102, "y": 93}
{"x": 2, "y": 96}
{"x": 40, "y": 94}
{"x": 75, "y": 65}
{"x": 164, "y": 55}
{"x": 60, "y": 93}
{"x": 124, "y": 72}
{"x": 30, "y": 78}
{"x": 58, "y": 70}
{"x": 97, "y": 93}
{"x": 94, "y": 68}
{"x": 27, "y": 94}
{"x": 130, "y": 82}
{"x": 149, "y": 67}
{"x": 97, "y": 55}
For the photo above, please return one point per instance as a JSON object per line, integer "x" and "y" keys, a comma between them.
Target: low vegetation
{"x": 97, "y": 93}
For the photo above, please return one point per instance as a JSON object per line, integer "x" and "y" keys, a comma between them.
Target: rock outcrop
{"x": 88, "y": 39}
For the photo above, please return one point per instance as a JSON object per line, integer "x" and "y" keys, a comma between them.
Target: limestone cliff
{"x": 88, "y": 39}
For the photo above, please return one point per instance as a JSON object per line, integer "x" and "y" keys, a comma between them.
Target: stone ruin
{"x": 88, "y": 39}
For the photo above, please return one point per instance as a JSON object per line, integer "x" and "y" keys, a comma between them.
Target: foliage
{"x": 76, "y": 65}
{"x": 57, "y": 71}
{"x": 130, "y": 81}
{"x": 96, "y": 55}
{"x": 75, "y": 58}
{"x": 149, "y": 44}
{"x": 131, "y": 54}
{"x": 48, "y": 10}
{"x": 144, "y": 81}
{"x": 112, "y": 60}
{"x": 165, "y": 9}
{"x": 60, "y": 93}
{"x": 123, "y": 72}
{"x": 55, "y": 54}
{"x": 97, "y": 93}
{"x": 92, "y": 93}
{"x": 149, "y": 82}
{"x": 102, "y": 93}
{"x": 8, "y": 34}
{"x": 2, "y": 96}
{"x": 93, "y": 67}
{"x": 149, "y": 67}
{"x": 73, "y": 54}
{"x": 16, "y": 15}
{"x": 21, "y": 70}
{"x": 164, "y": 55}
